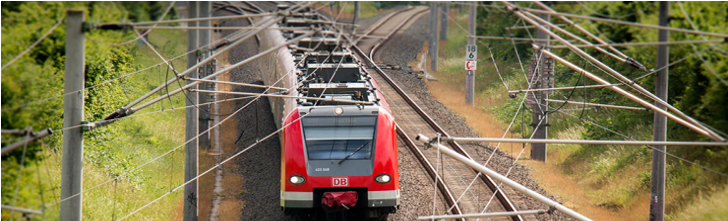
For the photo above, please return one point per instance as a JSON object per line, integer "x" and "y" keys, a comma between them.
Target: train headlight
{"x": 338, "y": 110}
{"x": 297, "y": 180}
{"x": 383, "y": 178}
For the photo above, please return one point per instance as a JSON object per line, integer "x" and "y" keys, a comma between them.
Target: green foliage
{"x": 31, "y": 89}
{"x": 693, "y": 89}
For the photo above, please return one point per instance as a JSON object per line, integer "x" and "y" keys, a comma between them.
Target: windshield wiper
{"x": 352, "y": 153}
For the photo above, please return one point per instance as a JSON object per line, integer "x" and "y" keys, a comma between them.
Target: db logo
{"x": 341, "y": 181}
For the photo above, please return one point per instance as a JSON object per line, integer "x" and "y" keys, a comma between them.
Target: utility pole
{"x": 204, "y": 112}
{"x": 72, "y": 165}
{"x": 433, "y": 36}
{"x": 191, "y": 123}
{"x": 470, "y": 74}
{"x": 356, "y": 15}
{"x": 445, "y": 12}
{"x": 657, "y": 196}
{"x": 541, "y": 75}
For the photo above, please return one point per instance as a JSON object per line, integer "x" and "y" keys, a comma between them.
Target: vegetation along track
{"x": 454, "y": 178}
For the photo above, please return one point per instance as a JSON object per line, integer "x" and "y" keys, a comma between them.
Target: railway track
{"x": 454, "y": 178}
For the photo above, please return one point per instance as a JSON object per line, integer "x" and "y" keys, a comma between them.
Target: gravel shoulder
{"x": 403, "y": 49}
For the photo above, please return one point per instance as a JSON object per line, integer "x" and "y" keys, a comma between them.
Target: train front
{"x": 340, "y": 161}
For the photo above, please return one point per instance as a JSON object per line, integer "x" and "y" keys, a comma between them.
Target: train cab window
{"x": 334, "y": 138}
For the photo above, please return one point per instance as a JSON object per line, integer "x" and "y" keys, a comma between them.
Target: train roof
{"x": 328, "y": 73}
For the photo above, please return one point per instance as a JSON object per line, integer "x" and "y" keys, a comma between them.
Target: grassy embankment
{"x": 119, "y": 147}
{"x": 602, "y": 182}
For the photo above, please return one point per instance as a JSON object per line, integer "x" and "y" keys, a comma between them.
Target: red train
{"x": 339, "y": 152}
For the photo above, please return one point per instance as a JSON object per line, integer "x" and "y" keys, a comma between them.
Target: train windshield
{"x": 334, "y": 138}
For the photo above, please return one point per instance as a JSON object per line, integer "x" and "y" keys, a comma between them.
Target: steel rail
{"x": 684, "y": 120}
{"x": 504, "y": 200}
{"x": 477, "y": 215}
{"x": 395, "y": 30}
{"x": 379, "y": 24}
{"x": 513, "y": 184}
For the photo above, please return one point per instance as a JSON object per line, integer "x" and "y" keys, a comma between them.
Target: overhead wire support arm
{"x": 211, "y": 76}
{"x": 130, "y": 25}
{"x": 597, "y": 105}
{"x": 592, "y": 142}
{"x": 562, "y": 88}
{"x": 643, "y": 43}
{"x": 687, "y": 121}
{"x": 237, "y": 83}
{"x": 32, "y": 136}
{"x": 511, "y": 38}
{"x": 621, "y": 56}
{"x": 632, "y": 97}
{"x": 286, "y": 96}
{"x": 497, "y": 176}
{"x": 126, "y": 110}
{"x": 720, "y": 35}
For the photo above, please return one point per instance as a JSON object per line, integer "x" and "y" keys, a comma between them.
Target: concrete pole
{"x": 461, "y": 8}
{"x": 72, "y": 165}
{"x": 191, "y": 123}
{"x": 444, "y": 13}
{"x": 356, "y": 15}
{"x": 538, "y": 150}
{"x": 204, "y": 39}
{"x": 433, "y": 36}
{"x": 470, "y": 75}
{"x": 657, "y": 199}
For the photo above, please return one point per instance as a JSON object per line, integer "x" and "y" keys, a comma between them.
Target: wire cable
{"x": 169, "y": 8}
{"x": 592, "y": 11}
{"x": 33, "y": 45}
{"x": 695, "y": 48}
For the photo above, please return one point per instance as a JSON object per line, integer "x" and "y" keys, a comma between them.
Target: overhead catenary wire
{"x": 124, "y": 75}
{"x": 43, "y": 37}
{"x": 642, "y": 43}
{"x": 162, "y": 155}
{"x": 627, "y": 94}
{"x": 169, "y": 8}
{"x": 228, "y": 159}
{"x": 126, "y": 109}
{"x": 626, "y": 23}
{"x": 187, "y": 86}
{"x": 687, "y": 121}
{"x": 692, "y": 24}
{"x": 592, "y": 11}
{"x": 597, "y": 105}
{"x": 707, "y": 65}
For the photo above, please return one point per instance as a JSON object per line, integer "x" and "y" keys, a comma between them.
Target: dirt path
{"x": 550, "y": 177}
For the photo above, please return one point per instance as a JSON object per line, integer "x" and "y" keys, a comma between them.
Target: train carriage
{"x": 339, "y": 146}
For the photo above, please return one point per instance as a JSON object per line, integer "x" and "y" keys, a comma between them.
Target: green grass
{"x": 616, "y": 175}
{"x": 126, "y": 144}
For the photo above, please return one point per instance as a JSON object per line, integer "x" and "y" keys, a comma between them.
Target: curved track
{"x": 454, "y": 178}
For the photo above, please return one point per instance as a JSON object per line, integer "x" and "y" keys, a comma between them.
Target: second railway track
{"x": 452, "y": 177}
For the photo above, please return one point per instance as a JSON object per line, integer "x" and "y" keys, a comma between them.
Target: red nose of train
{"x": 339, "y": 201}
